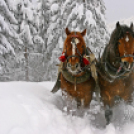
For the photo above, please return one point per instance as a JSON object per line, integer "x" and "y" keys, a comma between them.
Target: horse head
{"x": 74, "y": 49}
{"x": 125, "y": 44}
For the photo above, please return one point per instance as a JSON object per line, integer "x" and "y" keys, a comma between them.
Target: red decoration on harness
{"x": 85, "y": 61}
{"x": 119, "y": 69}
{"x": 62, "y": 58}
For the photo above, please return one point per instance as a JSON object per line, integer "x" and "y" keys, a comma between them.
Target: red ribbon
{"x": 85, "y": 61}
{"x": 62, "y": 58}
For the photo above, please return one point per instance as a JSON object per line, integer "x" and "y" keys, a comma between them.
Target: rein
{"x": 128, "y": 55}
{"x": 111, "y": 72}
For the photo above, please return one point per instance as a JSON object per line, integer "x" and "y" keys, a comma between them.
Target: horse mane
{"x": 118, "y": 33}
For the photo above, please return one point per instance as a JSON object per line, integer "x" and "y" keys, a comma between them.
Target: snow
{"x": 89, "y": 18}
{"x": 5, "y": 46}
{"x": 7, "y": 14}
{"x": 30, "y": 108}
{"x": 80, "y": 9}
{"x": 54, "y": 7}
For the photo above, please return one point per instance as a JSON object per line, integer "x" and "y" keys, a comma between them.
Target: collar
{"x": 110, "y": 71}
{"x": 76, "y": 80}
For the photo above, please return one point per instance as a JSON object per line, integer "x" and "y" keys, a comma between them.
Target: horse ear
{"x": 117, "y": 24}
{"x": 131, "y": 26}
{"x": 83, "y": 33}
{"x": 67, "y": 31}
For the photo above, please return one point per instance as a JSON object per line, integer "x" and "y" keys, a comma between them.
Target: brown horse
{"x": 116, "y": 77}
{"x": 75, "y": 76}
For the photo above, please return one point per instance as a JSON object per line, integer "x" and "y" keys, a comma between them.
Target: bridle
{"x": 80, "y": 58}
{"x": 109, "y": 69}
{"x": 80, "y": 55}
{"x": 121, "y": 34}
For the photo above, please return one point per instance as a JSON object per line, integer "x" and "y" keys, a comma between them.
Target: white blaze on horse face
{"x": 126, "y": 39}
{"x": 73, "y": 46}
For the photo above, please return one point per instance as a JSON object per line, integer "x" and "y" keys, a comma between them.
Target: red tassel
{"x": 85, "y": 61}
{"x": 62, "y": 58}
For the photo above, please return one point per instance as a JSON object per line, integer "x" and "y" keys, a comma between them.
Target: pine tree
{"x": 28, "y": 30}
{"x": 34, "y": 34}
{"x": 53, "y": 44}
{"x": 36, "y": 57}
{"x": 76, "y": 15}
{"x": 23, "y": 32}
{"x": 8, "y": 40}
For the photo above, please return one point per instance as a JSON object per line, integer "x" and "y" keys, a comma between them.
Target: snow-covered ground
{"x": 30, "y": 108}
{"x": 128, "y": 21}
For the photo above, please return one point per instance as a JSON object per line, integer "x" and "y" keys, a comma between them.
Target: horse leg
{"x": 78, "y": 102}
{"x": 87, "y": 100}
{"x": 108, "y": 114}
{"x": 84, "y": 102}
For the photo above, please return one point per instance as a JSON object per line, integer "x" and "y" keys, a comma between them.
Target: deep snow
{"x": 30, "y": 108}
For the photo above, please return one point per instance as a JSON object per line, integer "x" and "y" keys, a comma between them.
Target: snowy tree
{"x": 28, "y": 29}
{"x": 8, "y": 40}
{"x": 53, "y": 32}
{"x": 44, "y": 11}
{"x": 23, "y": 13}
{"x": 79, "y": 15}
{"x": 35, "y": 34}
{"x": 76, "y": 15}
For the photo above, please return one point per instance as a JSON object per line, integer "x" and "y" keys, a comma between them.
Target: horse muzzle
{"x": 74, "y": 69}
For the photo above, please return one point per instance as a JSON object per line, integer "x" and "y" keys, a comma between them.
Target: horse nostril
{"x": 126, "y": 63}
{"x": 76, "y": 65}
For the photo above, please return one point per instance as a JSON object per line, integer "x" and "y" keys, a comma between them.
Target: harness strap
{"x": 76, "y": 80}
{"x": 108, "y": 71}
{"x": 93, "y": 69}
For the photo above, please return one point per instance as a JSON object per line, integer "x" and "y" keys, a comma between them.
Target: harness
{"x": 87, "y": 71}
{"x": 76, "y": 80}
{"x": 110, "y": 72}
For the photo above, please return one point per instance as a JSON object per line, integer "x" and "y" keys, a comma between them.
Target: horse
{"x": 75, "y": 74}
{"x": 115, "y": 69}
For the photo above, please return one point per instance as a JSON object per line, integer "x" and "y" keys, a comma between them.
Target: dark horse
{"x": 75, "y": 76}
{"x": 115, "y": 68}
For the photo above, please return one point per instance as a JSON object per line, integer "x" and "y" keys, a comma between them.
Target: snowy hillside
{"x": 128, "y": 21}
{"x": 30, "y": 108}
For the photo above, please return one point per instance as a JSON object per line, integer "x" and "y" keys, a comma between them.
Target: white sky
{"x": 119, "y": 9}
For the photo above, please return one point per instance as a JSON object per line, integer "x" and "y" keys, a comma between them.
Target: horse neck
{"x": 110, "y": 56}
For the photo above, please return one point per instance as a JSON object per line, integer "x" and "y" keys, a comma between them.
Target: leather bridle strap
{"x": 126, "y": 56}
{"x": 74, "y": 56}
